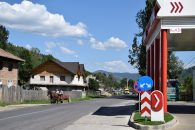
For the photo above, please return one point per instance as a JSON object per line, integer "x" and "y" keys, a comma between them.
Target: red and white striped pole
{"x": 145, "y": 104}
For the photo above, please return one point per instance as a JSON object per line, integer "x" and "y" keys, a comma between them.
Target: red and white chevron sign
{"x": 177, "y": 7}
{"x": 145, "y": 104}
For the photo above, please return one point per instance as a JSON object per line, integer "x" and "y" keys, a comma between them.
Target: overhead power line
{"x": 189, "y": 62}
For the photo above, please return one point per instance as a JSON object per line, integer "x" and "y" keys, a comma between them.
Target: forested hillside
{"x": 120, "y": 76}
{"x": 187, "y": 73}
{"x": 32, "y": 57}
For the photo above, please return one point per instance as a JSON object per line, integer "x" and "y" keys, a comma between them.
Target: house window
{"x": 1, "y": 65}
{"x": 62, "y": 78}
{"x": 10, "y": 66}
{"x": 51, "y": 79}
{"x": 42, "y": 78}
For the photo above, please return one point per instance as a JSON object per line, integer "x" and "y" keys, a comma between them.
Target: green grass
{"x": 88, "y": 97}
{"x": 141, "y": 120}
{"x": 35, "y": 102}
{"x": 3, "y": 104}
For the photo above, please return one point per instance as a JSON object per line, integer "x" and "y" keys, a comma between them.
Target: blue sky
{"x": 97, "y": 33}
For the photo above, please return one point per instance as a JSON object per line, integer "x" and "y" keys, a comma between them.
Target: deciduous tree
{"x": 4, "y": 34}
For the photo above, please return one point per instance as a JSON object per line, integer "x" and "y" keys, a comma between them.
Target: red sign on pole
{"x": 156, "y": 100}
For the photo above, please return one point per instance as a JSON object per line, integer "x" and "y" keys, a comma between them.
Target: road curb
{"x": 156, "y": 127}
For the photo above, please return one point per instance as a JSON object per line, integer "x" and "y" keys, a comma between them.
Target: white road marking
{"x": 28, "y": 114}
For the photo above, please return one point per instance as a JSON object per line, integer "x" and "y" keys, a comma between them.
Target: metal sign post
{"x": 137, "y": 89}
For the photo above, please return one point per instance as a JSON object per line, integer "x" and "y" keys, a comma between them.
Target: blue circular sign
{"x": 145, "y": 83}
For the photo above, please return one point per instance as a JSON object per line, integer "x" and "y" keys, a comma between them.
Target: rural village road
{"x": 55, "y": 117}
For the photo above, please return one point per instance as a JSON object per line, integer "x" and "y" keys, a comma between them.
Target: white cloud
{"x": 80, "y": 42}
{"x": 115, "y": 66}
{"x": 50, "y": 45}
{"x": 31, "y": 17}
{"x": 29, "y": 47}
{"x": 76, "y": 56}
{"x": 113, "y": 42}
{"x": 48, "y": 51}
{"x": 96, "y": 44}
{"x": 67, "y": 51}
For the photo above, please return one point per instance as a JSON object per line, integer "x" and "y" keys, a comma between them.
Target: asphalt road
{"x": 55, "y": 117}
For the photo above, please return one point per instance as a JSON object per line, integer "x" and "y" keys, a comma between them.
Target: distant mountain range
{"x": 119, "y": 76}
{"x": 134, "y": 76}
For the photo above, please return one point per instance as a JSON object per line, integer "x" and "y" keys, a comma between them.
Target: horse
{"x": 55, "y": 98}
{"x": 64, "y": 97}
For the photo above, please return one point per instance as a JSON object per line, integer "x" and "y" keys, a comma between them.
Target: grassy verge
{"x": 88, "y": 97}
{"x": 141, "y": 120}
{"x": 3, "y": 104}
{"x": 35, "y": 102}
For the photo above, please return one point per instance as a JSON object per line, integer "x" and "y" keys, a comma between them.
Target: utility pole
{"x": 127, "y": 83}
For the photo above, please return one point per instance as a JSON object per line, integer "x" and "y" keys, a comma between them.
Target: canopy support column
{"x": 164, "y": 55}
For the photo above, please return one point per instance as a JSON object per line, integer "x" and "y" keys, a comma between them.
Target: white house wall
{"x": 77, "y": 80}
{"x": 56, "y": 80}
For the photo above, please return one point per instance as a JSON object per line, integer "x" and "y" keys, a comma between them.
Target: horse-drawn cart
{"x": 57, "y": 98}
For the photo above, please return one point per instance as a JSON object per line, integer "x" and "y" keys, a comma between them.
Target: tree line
{"x": 108, "y": 82}
{"x": 32, "y": 57}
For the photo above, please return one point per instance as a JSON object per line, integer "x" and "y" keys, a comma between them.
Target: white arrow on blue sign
{"x": 145, "y": 83}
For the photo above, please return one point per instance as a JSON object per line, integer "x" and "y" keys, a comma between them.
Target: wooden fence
{"x": 17, "y": 94}
{"x": 34, "y": 95}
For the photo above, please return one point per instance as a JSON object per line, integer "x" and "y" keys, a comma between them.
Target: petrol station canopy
{"x": 171, "y": 28}
{"x": 178, "y": 17}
